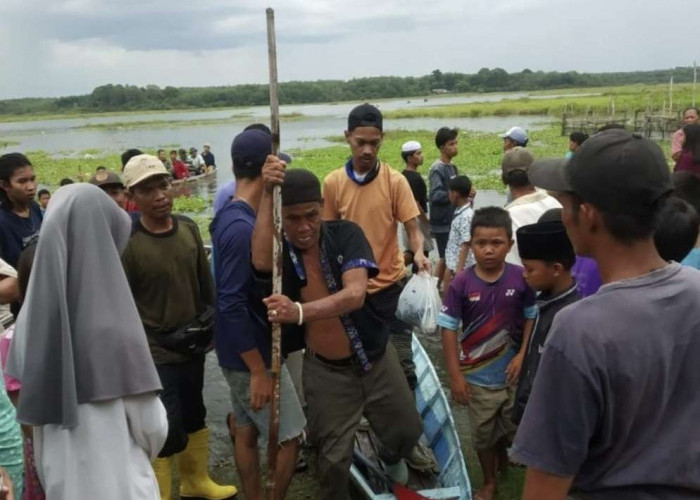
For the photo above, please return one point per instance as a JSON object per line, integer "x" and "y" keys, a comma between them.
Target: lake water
{"x": 318, "y": 123}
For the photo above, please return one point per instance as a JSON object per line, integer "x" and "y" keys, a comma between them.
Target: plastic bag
{"x": 419, "y": 303}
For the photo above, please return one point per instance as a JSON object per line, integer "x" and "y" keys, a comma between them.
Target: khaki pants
{"x": 337, "y": 397}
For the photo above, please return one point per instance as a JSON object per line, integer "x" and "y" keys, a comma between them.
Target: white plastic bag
{"x": 419, "y": 303}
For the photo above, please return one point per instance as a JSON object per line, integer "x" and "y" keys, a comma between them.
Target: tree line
{"x": 152, "y": 97}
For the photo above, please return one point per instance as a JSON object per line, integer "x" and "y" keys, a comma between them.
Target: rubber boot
{"x": 193, "y": 463}
{"x": 163, "y": 467}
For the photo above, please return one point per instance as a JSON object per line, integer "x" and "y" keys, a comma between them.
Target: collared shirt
{"x": 460, "y": 233}
{"x": 377, "y": 204}
{"x": 527, "y": 210}
{"x": 343, "y": 247}
{"x": 492, "y": 317}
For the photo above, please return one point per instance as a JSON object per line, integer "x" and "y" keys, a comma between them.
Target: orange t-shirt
{"x": 377, "y": 207}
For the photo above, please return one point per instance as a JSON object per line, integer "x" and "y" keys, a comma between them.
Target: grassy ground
{"x": 479, "y": 158}
{"x": 625, "y": 98}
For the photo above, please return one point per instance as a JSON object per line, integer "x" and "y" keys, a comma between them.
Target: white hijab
{"x": 78, "y": 337}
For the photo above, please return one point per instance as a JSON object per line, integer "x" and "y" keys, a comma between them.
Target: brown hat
{"x": 105, "y": 178}
{"x": 517, "y": 158}
{"x": 142, "y": 167}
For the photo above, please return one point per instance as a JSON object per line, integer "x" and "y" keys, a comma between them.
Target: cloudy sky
{"x": 53, "y": 48}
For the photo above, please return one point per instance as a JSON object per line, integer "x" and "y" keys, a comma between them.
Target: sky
{"x": 68, "y": 47}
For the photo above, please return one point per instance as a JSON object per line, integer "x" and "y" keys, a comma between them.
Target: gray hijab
{"x": 79, "y": 338}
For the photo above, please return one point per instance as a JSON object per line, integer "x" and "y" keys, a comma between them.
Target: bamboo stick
{"x": 273, "y": 444}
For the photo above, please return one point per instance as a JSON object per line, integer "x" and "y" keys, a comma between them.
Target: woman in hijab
{"x": 88, "y": 381}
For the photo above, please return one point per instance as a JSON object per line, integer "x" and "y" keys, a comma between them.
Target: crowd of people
{"x": 569, "y": 329}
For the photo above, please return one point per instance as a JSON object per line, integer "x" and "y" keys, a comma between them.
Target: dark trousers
{"x": 183, "y": 401}
{"x": 384, "y": 303}
{"x": 337, "y": 397}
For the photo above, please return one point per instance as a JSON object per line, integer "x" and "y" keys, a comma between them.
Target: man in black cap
{"x": 350, "y": 368}
{"x": 547, "y": 257}
{"x": 613, "y": 412}
{"x": 110, "y": 183}
{"x": 378, "y": 198}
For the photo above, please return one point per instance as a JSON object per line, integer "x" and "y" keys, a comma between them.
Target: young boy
{"x": 457, "y": 253}
{"x": 548, "y": 257}
{"x": 44, "y": 196}
{"x": 677, "y": 230}
{"x": 497, "y": 309}
{"x": 686, "y": 186}
{"x": 575, "y": 141}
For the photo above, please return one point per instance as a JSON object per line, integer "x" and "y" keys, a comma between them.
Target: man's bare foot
{"x": 486, "y": 492}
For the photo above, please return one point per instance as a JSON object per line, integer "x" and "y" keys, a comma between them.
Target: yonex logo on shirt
{"x": 510, "y": 292}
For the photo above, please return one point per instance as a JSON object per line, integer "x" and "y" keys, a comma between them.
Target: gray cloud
{"x": 58, "y": 48}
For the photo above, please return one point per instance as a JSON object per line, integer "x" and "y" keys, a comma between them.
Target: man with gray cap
{"x": 614, "y": 409}
{"x": 514, "y": 137}
{"x": 527, "y": 203}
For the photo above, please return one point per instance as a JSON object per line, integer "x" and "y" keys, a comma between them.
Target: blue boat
{"x": 451, "y": 481}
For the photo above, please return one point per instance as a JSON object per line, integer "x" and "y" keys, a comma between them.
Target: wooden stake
{"x": 273, "y": 444}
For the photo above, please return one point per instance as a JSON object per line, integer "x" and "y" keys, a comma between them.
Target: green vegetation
{"x": 78, "y": 166}
{"x": 628, "y": 98}
{"x": 129, "y": 98}
{"x": 480, "y": 153}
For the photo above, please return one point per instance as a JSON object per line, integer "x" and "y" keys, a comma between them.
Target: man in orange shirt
{"x": 378, "y": 198}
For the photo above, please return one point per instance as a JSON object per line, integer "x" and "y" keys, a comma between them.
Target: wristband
{"x": 301, "y": 314}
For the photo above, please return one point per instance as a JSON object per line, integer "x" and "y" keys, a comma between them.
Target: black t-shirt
{"x": 418, "y": 187}
{"x": 16, "y": 232}
{"x": 346, "y": 248}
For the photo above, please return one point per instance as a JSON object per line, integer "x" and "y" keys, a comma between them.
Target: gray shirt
{"x": 615, "y": 400}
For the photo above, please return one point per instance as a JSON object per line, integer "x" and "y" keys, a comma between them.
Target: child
{"x": 44, "y": 196}
{"x": 497, "y": 309}
{"x": 686, "y": 186}
{"x": 547, "y": 256}
{"x": 575, "y": 141}
{"x": 457, "y": 253}
{"x": 677, "y": 230}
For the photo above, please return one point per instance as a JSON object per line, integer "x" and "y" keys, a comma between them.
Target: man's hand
{"x": 260, "y": 390}
{"x": 6, "y": 488}
{"x": 422, "y": 262}
{"x": 281, "y": 309}
{"x": 273, "y": 172}
{"x": 460, "y": 390}
{"x": 514, "y": 367}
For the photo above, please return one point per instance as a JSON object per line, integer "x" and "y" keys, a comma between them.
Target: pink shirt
{"x": 11, "y": 384}
{"x": 677, "y": 142}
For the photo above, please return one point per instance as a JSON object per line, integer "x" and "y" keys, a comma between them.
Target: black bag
{"x": 193, "y": 338}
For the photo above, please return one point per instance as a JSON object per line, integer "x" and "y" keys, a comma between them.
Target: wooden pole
{"x": 273, "y": 444}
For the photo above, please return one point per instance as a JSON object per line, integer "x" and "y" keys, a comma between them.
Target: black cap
{"x": 615, "y": 170}
{"x": 365, "y": 115}
{"x": 300, "y": 186}
{"x": 250, "y": 148}
{"x": 545, "y": 241}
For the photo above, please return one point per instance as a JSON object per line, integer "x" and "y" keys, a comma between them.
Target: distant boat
{"x": 178, "y": 182}
{"x": 439, "y": 432}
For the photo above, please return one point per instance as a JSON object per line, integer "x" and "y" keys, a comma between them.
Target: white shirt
{"x": 527, "y": 210}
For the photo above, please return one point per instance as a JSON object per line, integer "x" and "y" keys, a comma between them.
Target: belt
{"x": 350, "y": 361}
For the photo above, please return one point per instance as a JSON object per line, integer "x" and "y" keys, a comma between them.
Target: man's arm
{"x": 416, "y": 242}
{"x": 349, "y": 299}
{"x": 9, "y": 290}
{"x": 439, "y": 194}
{"x": 458, "y": 384}
{"x": 540, "y": 485}
{"x": 330, "y": 209}
{"x": 463, "y": 252}
{"x": 263, "y": 234}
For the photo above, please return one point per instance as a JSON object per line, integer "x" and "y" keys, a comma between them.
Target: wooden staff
{"x": 273, "y": 444}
